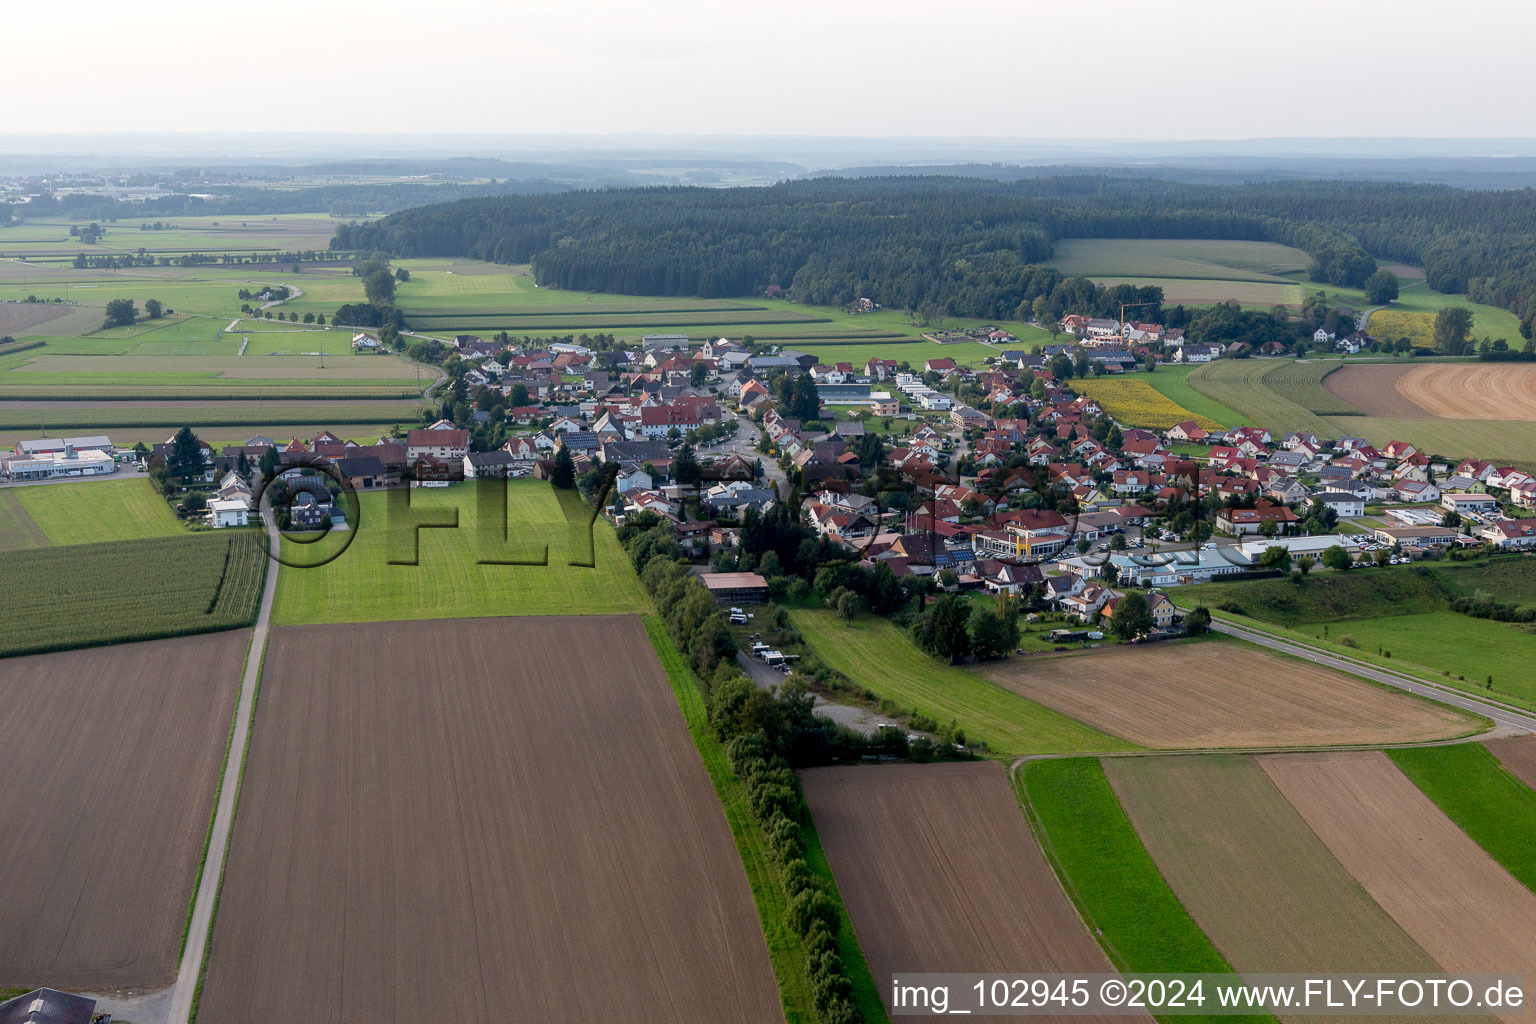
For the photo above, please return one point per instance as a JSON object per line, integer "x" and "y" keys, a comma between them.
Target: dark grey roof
{"x": 637, "y": 451}
{"x": 496, "y": 458}
{"x": 47, "y": 1006}
{"x": 581, "y": 440}
{"x": 360, "y": 465}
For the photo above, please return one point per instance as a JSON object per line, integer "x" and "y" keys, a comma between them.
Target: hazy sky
{"x": 1018, "y": 68}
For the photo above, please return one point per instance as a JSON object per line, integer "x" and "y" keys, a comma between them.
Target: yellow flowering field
{"x": 1138, "y": 403}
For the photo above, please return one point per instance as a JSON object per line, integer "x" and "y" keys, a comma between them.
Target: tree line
{"x": 965, "y": 245}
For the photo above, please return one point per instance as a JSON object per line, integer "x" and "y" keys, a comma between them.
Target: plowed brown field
{"x": 109, "y": 769}
{"x": 1372, "y": 388}
{"x": 1473, "y": 391}
{"x": 477, "y": 820}
{"x": 1463, "y": 391}
{"x": 940, "y": 873}
{"x": 1518, "y": 754}
{"x": 1221, "y": 695}
{"x": 1436, "y": 882}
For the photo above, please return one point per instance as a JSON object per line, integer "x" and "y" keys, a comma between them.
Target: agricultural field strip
{"x": 1518, "y": 755}
{"x": 1108, "y": 873}
{"x": 116, "y": 591}
{"x": 99, "y": 510}
{"x": 1218, "y": 694}
{"x": 940, "y": 873}
{"x": 1239, "y": 384}
{"x": 1137, "y": 403}
{"x": 1486, "y": 800}
{"x": 1440, "y": 886}
{"x": 102, "y": 837}
{"x": 448, "y": 582}
{"x": 411, "y": 835}
{"x": 1251, "y": 872}
{"x": 1213, "y": 259}
{"x": 18, "y": 530}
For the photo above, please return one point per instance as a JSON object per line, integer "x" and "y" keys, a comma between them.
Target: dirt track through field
{"x": 940, "y": 873}
{"x": 1221, "y": 695}
{"x": 1518, "y": 754}
{"x": 1250, "y": 871}
{"x": 1437, "y": 883}
{"x": 480, "y": 819}
{"x": 1473, "y": 391}
{"x": 110, "y": 767}
{"x": 1372, "y": 388}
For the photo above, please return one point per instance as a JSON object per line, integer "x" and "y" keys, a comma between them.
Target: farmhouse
{"x": 443, "y": 444}
{"x": 736, "y": 587}
{"x": 48, "y": 1006}
{"x": 364, "y": 472}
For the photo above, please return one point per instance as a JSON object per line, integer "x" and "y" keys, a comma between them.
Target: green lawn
{"x": 1328, "y": 597}
{"x": 1239, "y": 384}
{"x": 1449, "y": 642}
{"x": 878, "y": 657}
{"x": 1506, "y": 442}
{"x": 361, "y": 585}
{"x": 1402, "y": 610}
{"x": 785, "y": 949}
{"x": 1482, "y": 797}
{"x": 1173, "y": 382}
{"x": 1108, "y": 873}
{"x": 17, "y": 529}
{"x": 102, "y": 510}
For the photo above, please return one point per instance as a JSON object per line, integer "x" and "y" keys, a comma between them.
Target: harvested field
{"x": 1403, "y": 272}
{"x": 939, "y": 872}
{"x": 17, "y": 318}
{"x": 1197, "y": 292}
{"x": 1215, "y": 694}
{"x": 1518, "y": 754}
{"x": 1472, "y": 391}
{"x": 1372, "y": 388}
{"x": 105, "y": 807}
{"x": 1440, "y": 886}
{"x": 386, "y": 367}
{"x": 447, "y": 820}
{"x": 1250, "y": 871}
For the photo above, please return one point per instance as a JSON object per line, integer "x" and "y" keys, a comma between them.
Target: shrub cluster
{"x": 1499, "y": 611}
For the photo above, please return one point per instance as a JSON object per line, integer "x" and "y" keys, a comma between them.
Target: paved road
{"x": 224, "y": 816}
{"x": 1500, "y": 714}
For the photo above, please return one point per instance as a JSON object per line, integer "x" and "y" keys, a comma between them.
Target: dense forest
{"x": 965, "y": 246}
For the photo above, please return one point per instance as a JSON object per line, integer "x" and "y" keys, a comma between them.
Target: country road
{"x": 1499, "y": 713}
{"x": 201, "y": 924}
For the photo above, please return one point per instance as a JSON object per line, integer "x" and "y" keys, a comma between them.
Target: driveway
{"x": 858, "y": 719}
